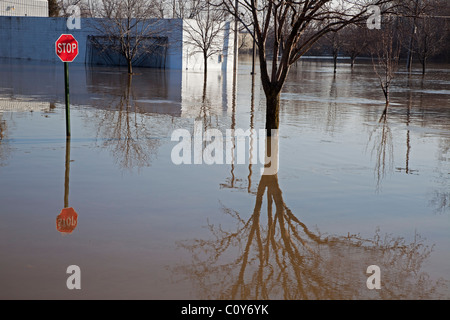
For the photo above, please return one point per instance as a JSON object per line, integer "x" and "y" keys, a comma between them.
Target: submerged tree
{"x": 335, "y": 43}
{"x": 429, "y": 39}
{"x": 294, "y": 27}
{"x": 356, "y": 41}
{"x": 385, "y": 48}
{"x": 427, "y": 29}
{"x": 129, "y": 28}
{"x": 204, "y": 33}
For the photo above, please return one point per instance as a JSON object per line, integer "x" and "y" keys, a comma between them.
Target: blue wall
{"x": 33, "y": 38}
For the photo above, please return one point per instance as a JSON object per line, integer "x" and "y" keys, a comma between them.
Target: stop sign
{"x": 66, "y": 48}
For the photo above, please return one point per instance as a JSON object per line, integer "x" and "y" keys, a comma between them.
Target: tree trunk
{"x": 205, "y": 64}
{"x": 204, "y": 89}
{"x": 130, "y": 67}
{"x": 272, "y": 111}
{"x": 387, "y": 96}
{"x": 424, "y": 66}
{"x": 128, "y": 92}
{"x": 335, "y": 56}
{"x": 353, "y": 61}
{"x": 385, "y": 111}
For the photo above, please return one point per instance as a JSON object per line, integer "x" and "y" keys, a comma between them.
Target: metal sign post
{"x": 66, "y": 85}
{"x": 66, "y": 48}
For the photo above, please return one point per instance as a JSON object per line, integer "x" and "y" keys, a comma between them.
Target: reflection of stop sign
{"x": 67, "y": 220}
{"x": 66, "y": 48}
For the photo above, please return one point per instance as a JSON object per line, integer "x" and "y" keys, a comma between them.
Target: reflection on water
{"x": 232, "y": 181}
{"x": 67, "y": 174}
{"x": 350, "y": 191}
{"x": 276, "y": 256}
{"x": 67, "y": 220}
{"x": 440, "y": 196}
{"x": 272, "y": 254}
{"x": 3, "y": 146}
{"x": 382, "y": 149}
{"x": 123, "y": 131}
{"x": 407, "y": 169}
{"x": 155, "y": 92}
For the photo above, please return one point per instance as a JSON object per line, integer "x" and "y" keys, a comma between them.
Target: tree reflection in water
{"x": 122, "y": 129}
{"x": 383, "y": 148}
{"x": 440, "y": 197}
{"x": 204, "y": 114}
{"x": 276, "y": 256}
{"x": 4, "y": 146}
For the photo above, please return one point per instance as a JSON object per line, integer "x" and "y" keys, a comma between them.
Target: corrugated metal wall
{"x": 21, "y": 8}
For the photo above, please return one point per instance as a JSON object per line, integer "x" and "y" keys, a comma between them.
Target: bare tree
{"x": 335, "y": 43}
{"x": 187, "y": 9}
{"x": 385, "y": 49}
{"x": 130, "y": 28}
{"x": 427, "y": 28}
{"x": 53, "y": 8}
{"x": 355, "y": 41}
{"x": 204, "y": 32}
{"x": 244, "y": 45}
{"x": 296, "y": 26}
{"x": 430, "y": 37}
{"x": 64, "y": 7}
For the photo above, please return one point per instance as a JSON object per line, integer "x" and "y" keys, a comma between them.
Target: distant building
{"x": 33, "y": 38}
{"x": 24, "y": 8}
{"x": 7, "y": 105}
{"x": 245, "y": 42}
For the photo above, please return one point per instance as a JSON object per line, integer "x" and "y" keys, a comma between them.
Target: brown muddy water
{"x": 350, "y": 192}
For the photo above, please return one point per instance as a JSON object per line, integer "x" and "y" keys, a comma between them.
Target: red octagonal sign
{"x": 66, "y": 48}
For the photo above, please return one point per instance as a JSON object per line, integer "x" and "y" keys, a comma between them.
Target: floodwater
{"x": 350, "y": 192}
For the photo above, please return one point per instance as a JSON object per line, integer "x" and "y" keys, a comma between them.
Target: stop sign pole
{"x": 66, "y": 48}
{"x": 67, "y": 91}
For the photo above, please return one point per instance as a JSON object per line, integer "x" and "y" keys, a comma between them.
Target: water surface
{"x": 350, "y": 192}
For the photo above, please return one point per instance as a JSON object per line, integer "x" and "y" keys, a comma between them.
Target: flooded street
{"x": 351, "y": 192}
